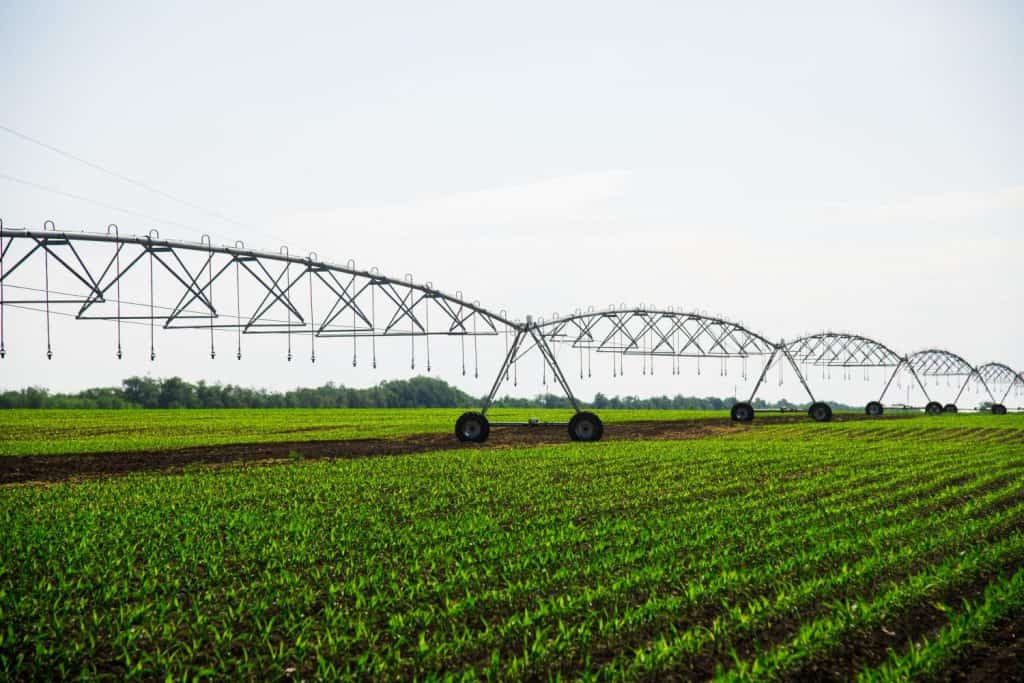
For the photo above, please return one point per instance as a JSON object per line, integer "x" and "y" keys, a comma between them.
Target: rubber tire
{"x": 820, "y": 412}
{"x": 585, "y": 426}
{"x": 874, "y": 409}
{"x": 933, "y": 408}
{"x": 998, "y": 409}
{"x": 742, "y": 412}
{"x": 472, "y": 427}
{"x": 950, "y": 408}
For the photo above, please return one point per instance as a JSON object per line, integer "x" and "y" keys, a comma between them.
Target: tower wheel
{"x": 742, "y": 412}
{"x": 820, "y": 412}
{"x": 472, "y": 427}
{"x": 874, "y": 409}
{"x": 933, "y": 408}
{"x": 585, "y": 426}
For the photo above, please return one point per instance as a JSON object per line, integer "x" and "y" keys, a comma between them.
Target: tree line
{"x": 418, "y": 392}
{"x": 174, "y": 392}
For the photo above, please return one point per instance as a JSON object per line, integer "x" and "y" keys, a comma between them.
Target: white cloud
{"x": 930, "y": 209}
{"x": 535, "y": 205}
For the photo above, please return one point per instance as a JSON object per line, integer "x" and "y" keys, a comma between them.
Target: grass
{"x": 779, "y": 552}
{"x": 45, "y": 432}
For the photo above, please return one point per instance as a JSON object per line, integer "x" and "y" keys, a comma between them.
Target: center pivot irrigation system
{"x": 221, "y": 290}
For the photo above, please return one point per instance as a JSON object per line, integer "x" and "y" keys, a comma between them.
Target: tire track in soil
{"x": 54, "y": 468}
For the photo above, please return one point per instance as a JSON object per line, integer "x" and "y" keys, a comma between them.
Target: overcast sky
{"x": 794, "y": 166}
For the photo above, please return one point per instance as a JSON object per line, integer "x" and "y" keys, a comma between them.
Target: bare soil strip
{"x": 51, "y": 468}
{"x": 870, "y": 648}
{"x": 16, "y": 469}
{"x": 998, "y": 657}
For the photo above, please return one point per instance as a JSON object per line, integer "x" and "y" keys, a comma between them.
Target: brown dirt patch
{"x": 50, "y": 468}
{"x": 871, "y": 647}
{"x": 998, "y": 657}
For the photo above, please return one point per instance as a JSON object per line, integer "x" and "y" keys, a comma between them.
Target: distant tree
{"x": 176, "y": 393}
{"x": 141, "y": 391}
{"x": 417, "y": 392}
{"x": 714, "y": 403}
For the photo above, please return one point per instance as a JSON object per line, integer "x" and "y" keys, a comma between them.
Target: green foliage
{"x": 174, "y": 392}
{"x": 967, "y": 627}
{"x": 757, "y": 555}
{"x": 418, "y": 392}
{"x": 37, "y": 432}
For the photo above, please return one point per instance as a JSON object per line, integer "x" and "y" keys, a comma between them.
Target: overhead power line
{"x": 123, "y": 178}
{"x": 78, "y": 197}
{"x": 127, "y": 179}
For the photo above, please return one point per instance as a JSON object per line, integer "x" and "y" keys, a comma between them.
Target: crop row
{"x": 43, "y": 432}
{"x": 752, "y": 556}
{"x": 968, "y": 625}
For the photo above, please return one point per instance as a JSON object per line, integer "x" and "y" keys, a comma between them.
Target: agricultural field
{"x": 871, "y": 550}
{"x": 40, "y": 432}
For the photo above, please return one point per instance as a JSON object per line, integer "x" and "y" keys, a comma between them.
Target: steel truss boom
{"x": 842, "y": 349}
{"x": 631, "y": 332}
{"x": 997, "y": 374}
{"x": 280, "y": 289}
{"x": 942, "y": 363}
{"x": 848, "y": 350}
{"x": 655, "y": 332}
{"x": 230, "y": 288}
{"x": 663, "y": 333}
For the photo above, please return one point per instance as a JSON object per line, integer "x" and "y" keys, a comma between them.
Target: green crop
{"x": 1003, "y": 599}
{"x": 40, "y": 432}
{"x": 773, "y": 552}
